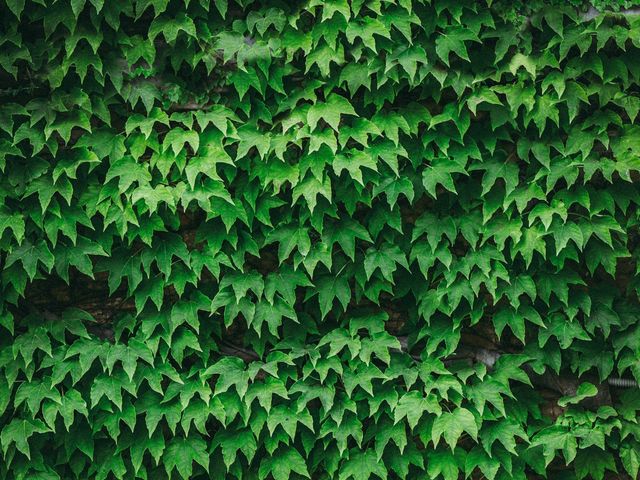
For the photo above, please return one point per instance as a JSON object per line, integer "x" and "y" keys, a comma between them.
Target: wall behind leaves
{"x": 323, "y": 239}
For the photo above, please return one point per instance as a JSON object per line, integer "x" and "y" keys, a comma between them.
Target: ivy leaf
{"x": 453, "y": 40}
{"x": 27, "y": 344}
{"x": 520, "y": 60}
{"x": 494, "y": 170}
{"x": 18, "y": 432}
{"x": 111, "y": 387}
{"x": 171, "y": 27}
{"x": 310, "y": 188}
{"x": 386, "y": 260}
{"x": 354, "y": 164}
{"x": 5, "y": 395}
{"x": 388, "y": 432}
{"x": 154, "y": 445}
{"x": 361, "y": 466}
{"x": 72, "y": 402}
{"x": 30, "y": 256}
{"x": 544, "y": 110}
{"x": 330, "y": 111}
{"x": 120, "y": 266}
{"x": 331, "y": 287}
{"x": 146, "y": 123}
{"x": 504, "y": 431}
{"x": 16, "y": 7}
{"x": 566, "y": 331}
{"x": 232, "y": 441}
{"x": 345, "y": 234}
{"x": 13, "y": 222}
{"x": 282, "y": 463}
{"x": 230, "y": 371}
{"x": 585, "y": 390}
{"x": 443, "y": 462}
{"x": 630, "y": 460}
{"x": 128, "y": 171}
{"x": 478, "y": 458}
{"x": 290, "y": 238}
{"x": 288, "y": 419}
{"x": 594, "y": 462}
{"x": 34, "y": 393}
{"x": 264, "y": 392}
{"x": 182, "y": 452}
{"x": 413, "y": 405}
{"x": 439, "y": 173}
{"x": 177, "y": 138}
{"x": 452, "y": 425}
{"x": 554, "y": 438}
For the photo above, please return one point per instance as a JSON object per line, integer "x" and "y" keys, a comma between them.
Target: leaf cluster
{"x": 318, "y": 239}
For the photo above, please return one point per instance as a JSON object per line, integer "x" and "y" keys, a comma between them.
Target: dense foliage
{"x": 323, "y": 239}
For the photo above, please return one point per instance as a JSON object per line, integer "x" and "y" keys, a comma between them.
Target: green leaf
{"x": 453, "y": 40}
{"x": 361, "y": 466}
{"x": 519, "y": 60}
{"x": 452, "y": 425}
{"x": 331, "y": 287}
{"x": 232, "y": 441}
{"x": 282, "y": 463}
{"x": 386, "y": 260}
{"x": 330, "y": 111}
{"x": 30, "y": 255}
{"x": 443, "y": 462}
{"x": 111, "y": 386}
{"x": 439, "y": 173}
{"x": 182, "y": 452}
{"x": 288, "y": 419}
{"x": 585, "y": 390}
{"x": 594, "y": 462}
{"x": 13, "y": 222}
{"x": 16, "y": 7}
{"x": 413, "y": 405}
{"x": 18, "y": 432}
{"x": 27, "y": 344}
{"x": 354, "y": 164}
{"x": 504, "y": 431}
{"x": 630, "y": 459}
{"x": 345, "y": 234}
{"x": 231, "y": 372}
{"x": 170, "y": 27}
{"x": 506, "y": 171}
{"x": 34, "y": 393}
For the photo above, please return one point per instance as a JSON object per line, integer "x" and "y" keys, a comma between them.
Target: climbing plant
{"x": 320, "y": 239}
